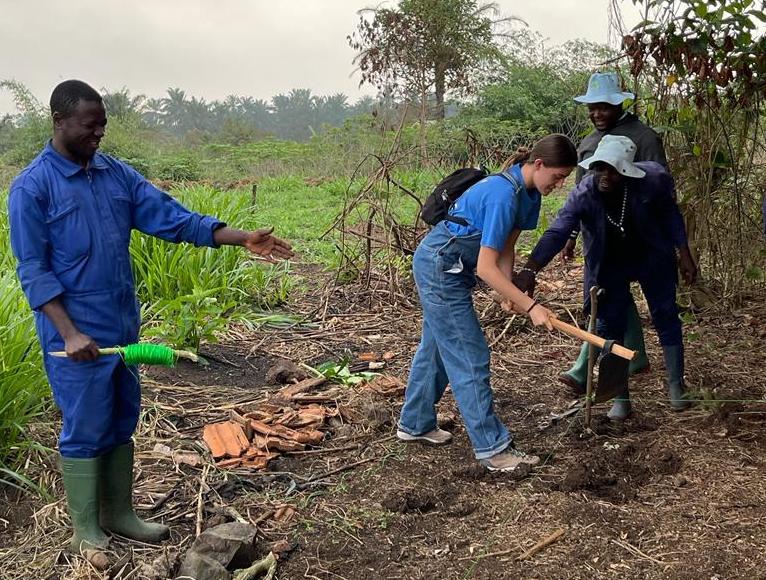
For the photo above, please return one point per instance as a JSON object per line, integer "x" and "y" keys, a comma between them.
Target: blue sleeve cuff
{"x": 205, "y": 229}
{"x": 42, "y": 290}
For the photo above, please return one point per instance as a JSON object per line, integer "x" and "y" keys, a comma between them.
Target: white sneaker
{"x": 435, "y": 437}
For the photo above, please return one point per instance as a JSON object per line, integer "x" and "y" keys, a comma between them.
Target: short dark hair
{"x": 67, "y": 94}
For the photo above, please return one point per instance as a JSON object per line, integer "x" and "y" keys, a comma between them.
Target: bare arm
{"x": 78, "y": 346}
{"x": 489, "y": 270}
{"x": 507, "y": 256}
{"x": 259, "y": 242}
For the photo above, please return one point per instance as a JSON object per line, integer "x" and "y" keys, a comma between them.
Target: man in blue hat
{"x": 71, "y": 213}
{"x": 605, "y": 99}
{"x": 632, "y": 231}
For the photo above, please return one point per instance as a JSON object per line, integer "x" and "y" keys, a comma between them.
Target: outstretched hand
{"x": 267, "y": 246}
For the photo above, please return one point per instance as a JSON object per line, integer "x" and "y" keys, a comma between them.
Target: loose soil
{"x": 663, "y": 495}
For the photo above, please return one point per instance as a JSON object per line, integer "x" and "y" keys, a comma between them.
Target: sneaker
{"x": 576, "y": 388}
{"x": 435, "y": 437}
{"x": 509, "y": 460}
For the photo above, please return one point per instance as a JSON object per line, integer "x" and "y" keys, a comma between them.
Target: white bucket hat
{"x": 604, "y": 88}
{"x": 619, "y": 152}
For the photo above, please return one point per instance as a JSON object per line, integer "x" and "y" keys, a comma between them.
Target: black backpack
{"x": 437, "y": 205}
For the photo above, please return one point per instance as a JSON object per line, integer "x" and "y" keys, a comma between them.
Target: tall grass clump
{"x": 23, "y": 387}
{"x": 191, "y": 294}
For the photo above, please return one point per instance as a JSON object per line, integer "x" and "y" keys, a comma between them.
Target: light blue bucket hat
{"x": 619, "y": 152}
{"x": 604, "y": 88}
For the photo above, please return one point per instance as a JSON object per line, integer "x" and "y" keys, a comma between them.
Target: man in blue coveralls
{"x": 71, "y": 213}
{"x": 632, "y": 231}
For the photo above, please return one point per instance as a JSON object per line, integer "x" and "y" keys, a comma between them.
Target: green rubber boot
{"x": 674, "y": 367}
{"x": 81, "y": 482}
{"x": 117, "y": 514}
{"x": 634, "y": 340}
{"x": 621, "y": 407}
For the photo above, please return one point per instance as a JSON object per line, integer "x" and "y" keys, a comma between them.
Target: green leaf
{"x": 701, "y": 10}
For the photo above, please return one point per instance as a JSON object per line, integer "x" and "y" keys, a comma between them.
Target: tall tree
{"x": 121, "y": 104}
{"x": 425, "y": 46}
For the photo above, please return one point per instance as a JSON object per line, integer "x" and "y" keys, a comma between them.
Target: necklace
{"x": 619, "y": 225}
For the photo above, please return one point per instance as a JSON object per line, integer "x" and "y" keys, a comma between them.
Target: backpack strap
{"x": 463, "y": 222}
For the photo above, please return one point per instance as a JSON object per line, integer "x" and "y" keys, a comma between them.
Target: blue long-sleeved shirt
{"x": 70, "y": 232}
{"x": 652, "y": 205}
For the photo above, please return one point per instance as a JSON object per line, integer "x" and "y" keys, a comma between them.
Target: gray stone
{"x": 284, "y": 371}
{"x": 199, "y": 567}
{"x": 220, "y": 549}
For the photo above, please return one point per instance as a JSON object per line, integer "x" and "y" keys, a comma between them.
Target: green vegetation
{"x": 296, "y": 161}
{"x": 23, "y": 388}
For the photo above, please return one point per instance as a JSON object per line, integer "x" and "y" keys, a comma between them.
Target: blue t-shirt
{"x": 496, "y": 206}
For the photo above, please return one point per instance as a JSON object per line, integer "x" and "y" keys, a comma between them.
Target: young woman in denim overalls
{"x": 453, "y": 348}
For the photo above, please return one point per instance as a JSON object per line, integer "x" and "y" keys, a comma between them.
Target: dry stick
{"x": 591, "y": 354}
{"x": 533, "y": 550}
{"x": 542, "y": 544}
{"x": 267, "y": 565}
{"x": 636, "y": 552}
{"x": 502, "y": 334}
{"x": 202, "y": 482}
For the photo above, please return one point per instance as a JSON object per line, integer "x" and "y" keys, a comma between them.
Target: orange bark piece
{"x": 310, "y": 416}
{"x": 386, "y": 385}
{"x": 226, "y": 463}
{"x": 284, "y": 514}
{"x": 257, "y": 462}
{"x": 277, "y": 444}
{"x": 226, "y": 439}
{"x": 368, "y": 357}
{"x": 264, "y": 416}
{"x": 304, "y": 436}
{"x": 310, "y": 436}
{"x": 213, "y": 441}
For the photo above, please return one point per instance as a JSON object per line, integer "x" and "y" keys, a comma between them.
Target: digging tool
{"x": 594, "y": 293}
{"x": 584, "y": 335}
{"x": 612, "y": 370}
{"x": 593, "y": 339}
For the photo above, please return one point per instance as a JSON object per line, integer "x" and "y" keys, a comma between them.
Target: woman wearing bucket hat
{"x": 604, "y": 99}
{"x": 632, "y": 231}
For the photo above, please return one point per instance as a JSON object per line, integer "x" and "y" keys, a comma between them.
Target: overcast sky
{"x": 213, "y": 48}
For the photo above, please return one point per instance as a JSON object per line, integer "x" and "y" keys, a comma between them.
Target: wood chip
{"x": 276, "y": 444}
{"x": 284, "y": 514}
{"x": 302, "y": 436}
{"x": 386, "y": 385}
{"x": 303, "y": 386}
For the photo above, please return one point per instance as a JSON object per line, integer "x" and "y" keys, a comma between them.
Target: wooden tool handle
{"x": 620, "y": 351}
{"x": 117, "y": 350}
